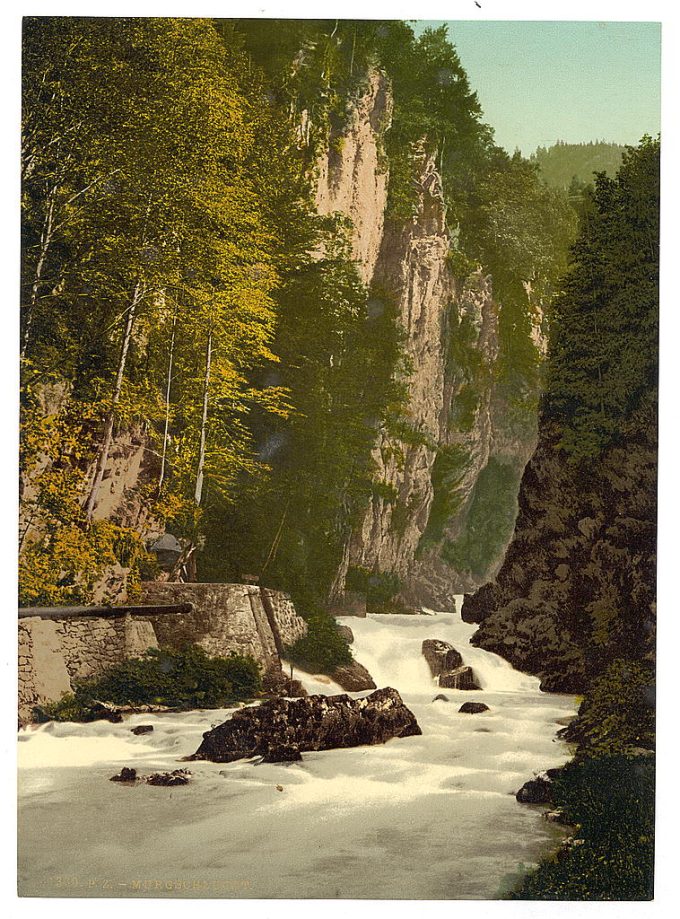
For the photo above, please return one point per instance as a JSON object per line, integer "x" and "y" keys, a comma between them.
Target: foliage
{"x": 610, "y": 799}
{"x": 490, "y": 520}
{"x": 603, "y": 347}
{"x": 134, "y": 227}
{"x": 380, "y": 588}
{"x": 617, "y": 713}
{"x": 562, "y": 163}
{"x": 184, "y": 679}
{"x": 322, "y": 649}
{"x": 448, "y": 472}
{"x": 62, "y": 558}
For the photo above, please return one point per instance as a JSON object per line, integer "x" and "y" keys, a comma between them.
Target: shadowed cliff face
{"x": 453, "y": 452}
{"x": 576, "y": 590}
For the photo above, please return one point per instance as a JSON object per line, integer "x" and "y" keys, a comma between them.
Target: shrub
{"x": 611, "y": 801}
{"x": 617, "y": 713}
{"x": 183, "y": 679}
{"x": 323, "y": 648}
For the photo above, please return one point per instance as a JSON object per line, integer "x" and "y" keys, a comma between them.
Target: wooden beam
{"x": 89, "y": 612}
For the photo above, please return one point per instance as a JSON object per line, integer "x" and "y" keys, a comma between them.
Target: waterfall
{"x": 389, "y": 646}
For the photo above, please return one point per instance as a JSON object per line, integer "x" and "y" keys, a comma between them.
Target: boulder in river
{"x": 473, "y": 708}
{"x": 346, "y": 633}
{"x": 125, "y": 775}
{"x": 535, "y": 791}
{"x": 353, "y": 677}
{"x": 314, "y": 723}
{"x": 440, "y": 656}
{"x": 168, "y": 779}
{"x": 460, "y": 678}
{"x": 441, "y": 698}
{"x": 129, "y": 777}
{"x": 142, "y": 729}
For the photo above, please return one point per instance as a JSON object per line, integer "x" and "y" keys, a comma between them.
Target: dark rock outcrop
{"x": 276, "y": 683}
{"x": 535, "y": 791}
{"x": 473, "y": 708}
{"x": 441, "y": 656}
{"x": 576, "y": 589}
{"x": 353, "y": 677}
{"x": 143, "y": 729}
{"x": 441, "y": 698}
{"x": 314, "y": 723}
{"x": 460, "y": 678}
{"x": 346, "y": 633}
{"x": 283, "y": 753}
{"x": 446, "y": 665}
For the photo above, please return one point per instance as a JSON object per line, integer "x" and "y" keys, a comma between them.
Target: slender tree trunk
{"x": 110, "y": 421}
{"x": 198, "y": 493}
{"x": 45, "y": 243}
{"x": 167, "y": 402}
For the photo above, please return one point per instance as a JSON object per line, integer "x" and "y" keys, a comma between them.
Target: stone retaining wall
{"x": 225, "y": 617}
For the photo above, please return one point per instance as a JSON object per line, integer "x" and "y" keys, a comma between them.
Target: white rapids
{"x": 428, "y": 817}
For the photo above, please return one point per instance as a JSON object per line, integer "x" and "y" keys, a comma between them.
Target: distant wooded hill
{"x": 562, "y": 162}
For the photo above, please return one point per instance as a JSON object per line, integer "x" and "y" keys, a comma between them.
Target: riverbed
{"x": 428, "y": 817}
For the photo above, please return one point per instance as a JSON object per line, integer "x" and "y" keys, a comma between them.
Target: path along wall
{"x": 54, "y": 652}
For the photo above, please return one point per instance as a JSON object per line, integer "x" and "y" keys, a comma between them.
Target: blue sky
{"x": 574, "y": 81}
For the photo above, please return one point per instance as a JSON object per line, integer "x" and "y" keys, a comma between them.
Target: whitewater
{"x": 431, "y": 817}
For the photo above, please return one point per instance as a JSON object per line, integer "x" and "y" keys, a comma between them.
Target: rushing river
{"x": 424, "y": 817}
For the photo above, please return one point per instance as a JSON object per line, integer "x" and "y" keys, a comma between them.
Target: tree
{"x": 603, "y": 351}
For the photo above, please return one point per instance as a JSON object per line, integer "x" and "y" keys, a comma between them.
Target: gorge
{"x": 306, "y": 354}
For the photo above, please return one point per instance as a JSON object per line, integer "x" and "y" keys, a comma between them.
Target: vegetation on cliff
{"x": 178, "y": 283}
{"x": 577, "y": 588}
{"x": 575, "y": 599}
{"x": 610, "y": 802}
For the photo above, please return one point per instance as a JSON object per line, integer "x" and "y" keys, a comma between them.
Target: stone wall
{"x": 225, "y": 617}
{"x": 55, "y": 652}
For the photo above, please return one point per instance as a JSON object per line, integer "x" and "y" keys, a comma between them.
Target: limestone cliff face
{"x": 454, "y": 423}
{"x": 352, "y": 177}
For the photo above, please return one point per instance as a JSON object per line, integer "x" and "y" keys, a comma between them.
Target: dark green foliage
{"x": 490, "y": 520}
{"x": 380, "y": 588}
{"x": 617, "y": 714}
{"x": 610, "y": 799}
{"x": 185, "y": 679}
{"x": 563, "y": 163}
{"x": 323, "y": 648}
{"x": 450, "y": 466}
{"x": 603, "y": 348}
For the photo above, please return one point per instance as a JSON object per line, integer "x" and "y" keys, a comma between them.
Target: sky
{"x": 539, "y": 82}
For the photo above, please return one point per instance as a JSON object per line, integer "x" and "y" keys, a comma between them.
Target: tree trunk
{"x": 167, "y": 402}
{"x": 198, "y": 493}
{"x": 110, "y": 421}
{"x": 45, "y": 242}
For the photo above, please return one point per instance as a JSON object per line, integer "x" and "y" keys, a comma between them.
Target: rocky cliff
{"x": 577, "y": 587}
{"x": 452, "y": 450}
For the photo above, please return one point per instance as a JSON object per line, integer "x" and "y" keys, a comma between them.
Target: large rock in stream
{"x": 314, "y": 723}
{"x": 441, "y": 656}
{"x": 446, "y": 665}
